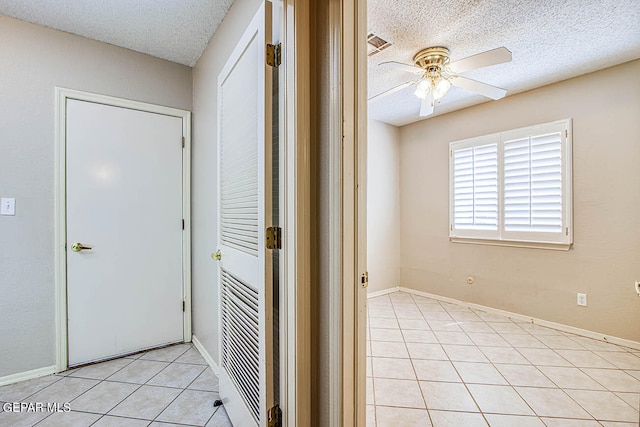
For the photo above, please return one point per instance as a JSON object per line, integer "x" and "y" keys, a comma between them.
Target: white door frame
{"x": 354, "y": 210}
{"x": 62, "y": 95}
{"x": 348, "y": 118}
{"x": 295, "y": 326}
{"x": 348, "y": 128}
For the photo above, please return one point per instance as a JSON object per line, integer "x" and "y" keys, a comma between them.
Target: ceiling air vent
{"x": 376, "y": 44}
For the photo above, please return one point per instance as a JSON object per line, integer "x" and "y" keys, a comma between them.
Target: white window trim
{"x": 518, "y": 239}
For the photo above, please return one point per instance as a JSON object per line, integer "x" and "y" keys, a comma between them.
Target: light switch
{"x": 7, "y": 206}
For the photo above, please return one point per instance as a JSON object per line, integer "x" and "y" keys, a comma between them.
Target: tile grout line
{"x": 122, "y": 382}
{"x": 183, "y": 389}
{"x": 43, "y": 388}
{"x": 373, "y": 376}
{"x": 415, "y": 374}
{"x": 449, "y": 359}
{"x": 610, "y": 390}
{"x": 536, "y": 366}
{"x": 81, "y": 394}
{"x": 532, "y": 364}
{"x": 143, "y": 384}
{"x": 101, "y": 414}
{"x": 473, "y": 398}
{"x": 579, "y": 346}
{"x": 168, "y": 363}
{"x": 414, "y": 368}
{"x": 105, "y": 380}
{"x": 178, "y": 395}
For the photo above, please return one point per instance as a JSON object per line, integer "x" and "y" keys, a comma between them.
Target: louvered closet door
{"x": 244, "y": 156}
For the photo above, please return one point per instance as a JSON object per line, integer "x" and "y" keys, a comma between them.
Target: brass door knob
{"x": 217, "y": 255}
{"x": 77, "y": 247}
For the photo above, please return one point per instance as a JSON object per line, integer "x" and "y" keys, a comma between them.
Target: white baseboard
{"x": 205, "y": 354}
{"x": 528, "y": 319}
{"x": 28, "y": 375}
{"x": 48, "y": 370}
{"x": 383, "y": 292}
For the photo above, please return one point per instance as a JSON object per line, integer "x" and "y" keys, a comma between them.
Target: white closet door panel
{"x": 244, "y": 200}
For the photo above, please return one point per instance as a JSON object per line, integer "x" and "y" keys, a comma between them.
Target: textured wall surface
{"x": 605, "y": 258}
{"x": 383, "y": 206}
{"x": 34, "y": 61}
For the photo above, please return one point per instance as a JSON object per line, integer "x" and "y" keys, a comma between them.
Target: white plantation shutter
{"x": 533, "y": 184}
{"x": 516, "y": 188}
{"x": 475, "y": 188}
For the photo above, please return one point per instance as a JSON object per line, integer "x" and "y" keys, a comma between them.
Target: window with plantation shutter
{"x": 475, "y": 188}
{"x": 513, "y": 187}
{"x": 533, "y": 184}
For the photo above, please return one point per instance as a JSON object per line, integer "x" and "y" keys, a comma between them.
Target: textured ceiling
{"x": 176, "y": 30}
{"x": 551, "y": 40}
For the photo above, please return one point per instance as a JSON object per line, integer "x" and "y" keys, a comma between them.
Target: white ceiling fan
{"x": 437, "y": 75}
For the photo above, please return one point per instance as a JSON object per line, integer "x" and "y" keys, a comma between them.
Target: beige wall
{"x": 383, "y": 206}
{"x": 605, "y": 258}
{"x": 204, "y": 172}
{"x": 34, "y": 61}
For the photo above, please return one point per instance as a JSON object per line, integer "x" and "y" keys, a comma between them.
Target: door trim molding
{"x": 295, "y": 326}
{"x": 62, "y": 95}
{"x": 348, "y": 25}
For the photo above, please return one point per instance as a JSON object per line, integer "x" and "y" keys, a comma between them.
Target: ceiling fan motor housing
{"x": 432, "y": 59}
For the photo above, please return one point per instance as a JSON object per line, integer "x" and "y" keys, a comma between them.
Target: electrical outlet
{"x": 582, "y": 300}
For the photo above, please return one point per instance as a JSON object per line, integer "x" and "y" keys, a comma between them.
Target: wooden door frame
{"x": 62, "y": 95}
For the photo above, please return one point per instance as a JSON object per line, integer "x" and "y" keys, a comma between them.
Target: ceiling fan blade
{"x": 484, "y": 89}
{"x": 484, "y": 59}
{"x": 404, "y": 67}
{"x": 426, "y": 106}
{"x": 392, "y": 90}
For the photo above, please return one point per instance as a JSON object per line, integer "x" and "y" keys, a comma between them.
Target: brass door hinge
{"x": 183, "y": 142}
{"x": 364, "y": 279}
{"x": 274, "y": 55}
{"x": 274, "y": 416}
{"x": 184, "y": 306}
{"x": 274, "y": 238}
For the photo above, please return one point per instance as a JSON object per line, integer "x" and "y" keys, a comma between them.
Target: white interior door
{"x": 244, "y": 166}
{"x": 124, "y": 204}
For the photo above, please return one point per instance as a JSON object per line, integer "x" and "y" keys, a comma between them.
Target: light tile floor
{"x": 166, "y": 387}
{"x": 431, "y": 363}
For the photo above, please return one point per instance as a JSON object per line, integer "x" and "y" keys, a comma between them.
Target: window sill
{"x": 513, "y": 243}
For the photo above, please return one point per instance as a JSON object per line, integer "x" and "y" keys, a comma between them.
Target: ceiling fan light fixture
{"x": 438, "y": 74}
{"x": 440, "y": 87}
{"x": 422, "y": 89}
